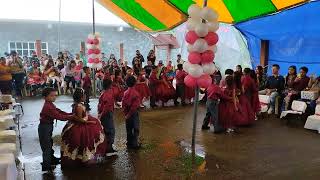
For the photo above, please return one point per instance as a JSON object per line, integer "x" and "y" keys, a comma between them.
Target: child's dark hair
{"x": 131, "y": 81}
{"x": 228, "y": 72}
{"x": 85, "y": 68}
{"x": 107, "y": 84}
{"x": 247, "y": 71}
{"x": 229, "y": 81}
{"x": 78, "y": 95}
{"x": 180, "y": 66}
{"x": 46, "y": 91}
{"x": 305, "y": 69}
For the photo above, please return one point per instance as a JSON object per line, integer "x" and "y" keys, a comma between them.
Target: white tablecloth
{"x": 8, "y": 169}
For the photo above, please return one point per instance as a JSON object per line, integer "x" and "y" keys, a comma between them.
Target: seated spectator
{"x": 290, "y": 78}
{"x": 35, "y": 79}
{"x": 261, "y": 78}
{"x": 5, "y": 77}
{"x": 51, "y": 74}
{"x": 274, "y": 87}
{"x": 314, "y": 84}
{"x": 299, "y": 84}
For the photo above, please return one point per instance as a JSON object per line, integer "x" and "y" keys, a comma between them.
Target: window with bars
{"x": 27, "y": 48}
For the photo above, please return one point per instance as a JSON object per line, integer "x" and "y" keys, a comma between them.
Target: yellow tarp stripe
{"x": 281, "y": 4}
{"x": 163, "y": 11}
{"x": 218, "y": 5}
{"x": 123, "y": 15}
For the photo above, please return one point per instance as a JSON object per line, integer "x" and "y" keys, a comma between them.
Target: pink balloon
{"x": 191, "y": 37}
{"x": 90, "y": 60}
{"x": 212, "y": 38}
{"x": 95, "y": 41}
{"x": 90, "y": 51}
{"x": 194, "y": 58}
{"x": 97, "y": 60}
{"x": 190, "y": 81}
{"x": 207, "y": 57}
{"x": 204, "y": 81}
{"x": 97, "y": 51}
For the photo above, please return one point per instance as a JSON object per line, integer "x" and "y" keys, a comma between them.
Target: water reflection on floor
{"x": 269, "y": 150}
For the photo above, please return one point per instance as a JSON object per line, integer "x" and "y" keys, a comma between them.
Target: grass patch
{"x": 148, "y": 147}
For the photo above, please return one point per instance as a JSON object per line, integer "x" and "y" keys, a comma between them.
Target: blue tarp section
{"x": 294, "y": 37}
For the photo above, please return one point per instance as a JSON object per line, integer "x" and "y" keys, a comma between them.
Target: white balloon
{"x": 201, "y": 30}
{"x": 213, "y": 26}
{"x": 194, "y": 11}
{"x": 93, "y": 56}
{"x": 208, "y": 14}
{"x": 92, "y": 46}
{"x": 98, "y": 34}
{"x": 213, "y": 48}
{"x": 186, "y": 66}
{"x": 90, "y": 36}
{"x": 195, "y": 70}
{"x": 190, "y": 48}
{"x": 209, "y": 68}
{"x": 200, "y": 45}
{"x": 192, "y": 23}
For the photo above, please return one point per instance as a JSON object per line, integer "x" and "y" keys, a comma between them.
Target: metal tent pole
{"x": 59, "y": 28}
{"x": 195, "y": 115}
{"x": 93, "y": 32}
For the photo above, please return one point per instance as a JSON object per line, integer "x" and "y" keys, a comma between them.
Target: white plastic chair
{"x": 298, "y": 107}
{"x": 264, "y": 102}
{"x": 313, "y": 121}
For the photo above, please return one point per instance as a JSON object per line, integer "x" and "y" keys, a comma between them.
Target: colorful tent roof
{"x": 160, "y": 15}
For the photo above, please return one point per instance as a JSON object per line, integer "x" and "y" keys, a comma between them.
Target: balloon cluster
{"x": 94, "y": 51}
{"x": 202, "y": 39}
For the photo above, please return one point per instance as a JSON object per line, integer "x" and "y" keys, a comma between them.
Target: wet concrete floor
{"x": 268, "y": 150}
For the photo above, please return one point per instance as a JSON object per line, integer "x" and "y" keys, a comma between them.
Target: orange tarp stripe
{"x": 163, "y": 11}
{"x": 123, "y": 15}
{"x": 280, "y": 4}
{"x": 218, "y": 5}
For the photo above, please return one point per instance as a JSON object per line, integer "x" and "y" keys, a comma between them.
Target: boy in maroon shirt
{"x": 48, "y": 114}
{"x": 130, "y": 104}
{"x": 105, "y": 113}
{"x": 86, "y": 85}
{"x": 214, "y": 95}
{"x": 180, "y": 86}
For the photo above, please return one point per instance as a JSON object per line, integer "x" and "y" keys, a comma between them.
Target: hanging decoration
{"x": 94, "y": 51}
{"x": 202, "y": 39}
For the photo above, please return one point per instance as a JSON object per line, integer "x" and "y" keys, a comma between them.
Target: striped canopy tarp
{"x": 160, "y": 15}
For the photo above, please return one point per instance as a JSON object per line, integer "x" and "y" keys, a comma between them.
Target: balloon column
{"x": 202, "y": 39}
{"x": 94, "y": 51}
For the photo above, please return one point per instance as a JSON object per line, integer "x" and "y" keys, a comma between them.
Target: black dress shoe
{"x": 48, "y": 168}
{"x": 55, "y": 161}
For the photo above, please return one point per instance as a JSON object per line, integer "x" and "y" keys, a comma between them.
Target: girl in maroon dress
{"x": 255, "y": 102}
{"x": 165, "y": 90}
{"x": 245, "y": 115}
{"x": 142, "y": 87}
{"x": 82, "y": 144}
{"x": 228, "y": 109}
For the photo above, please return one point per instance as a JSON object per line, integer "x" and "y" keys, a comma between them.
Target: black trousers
{"x": 133, "y": 130}
{"x": 46, "y": 143}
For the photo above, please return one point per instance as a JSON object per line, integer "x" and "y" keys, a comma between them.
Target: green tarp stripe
{"x": 182, "y": 5}
{"x": 135, "y": 10}
{"x": 242, "y": 10}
